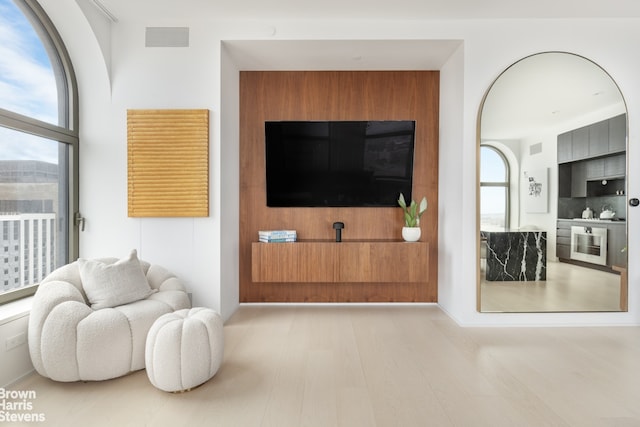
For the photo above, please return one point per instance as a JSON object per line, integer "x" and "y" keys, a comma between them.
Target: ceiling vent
{"x": 535, "y": 149}
{"x": 167, "y": 37}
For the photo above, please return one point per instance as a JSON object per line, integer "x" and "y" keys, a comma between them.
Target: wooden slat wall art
{"x": 168, "y": 163}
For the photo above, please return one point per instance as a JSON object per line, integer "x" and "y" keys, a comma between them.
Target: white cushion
{"x": 184, "y": 349}
{"x": 68, "y": 341}
{"x": 111, "y": 285}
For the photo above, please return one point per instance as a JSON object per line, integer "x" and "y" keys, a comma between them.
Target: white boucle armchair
{"x": 75, "y": 334}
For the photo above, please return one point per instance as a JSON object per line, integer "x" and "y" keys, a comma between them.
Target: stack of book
{"x": 274, "y": 236}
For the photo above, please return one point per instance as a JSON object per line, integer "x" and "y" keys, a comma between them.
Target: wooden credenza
{"x": 379, "y": 261}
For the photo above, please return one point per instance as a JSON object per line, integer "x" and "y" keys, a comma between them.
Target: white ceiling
{"x": 320, "y": 55}
{"x": 164, "y": 10}
{"x": 545, "y": 91}
{"x": 515, "y": 108}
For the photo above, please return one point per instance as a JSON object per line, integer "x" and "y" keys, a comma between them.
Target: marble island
{"x": 516, "y": 255}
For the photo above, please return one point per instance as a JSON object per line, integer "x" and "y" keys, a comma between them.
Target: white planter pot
{"x": 411, "y": 234}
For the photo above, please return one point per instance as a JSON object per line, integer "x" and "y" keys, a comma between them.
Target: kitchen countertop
{"x": 596, "y": 220}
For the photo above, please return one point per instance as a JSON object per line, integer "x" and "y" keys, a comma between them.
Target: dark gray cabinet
{"x": 564, "y": 147}
{"x": 598, "y": 139}
{"x": 573, "y": 177}
{"x": 616, "y": 242}
{"x": 563, "y": 239}
{"x": 618, "y": 134}
{"x": 595, "y": 168}
{"x": 579, "y": 179}
{"x": 563, "y": 251}
{"x": 615, "y": 166}
{"x": 580, "y": 143}
{"x": 564, "y": 180}
{"x": 605, "y": 167}
{"x": 591, "y": 153}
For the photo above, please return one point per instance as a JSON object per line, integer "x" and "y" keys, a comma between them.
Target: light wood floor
{"x": 376, "y": 365}
{"x": 568, "y": 288}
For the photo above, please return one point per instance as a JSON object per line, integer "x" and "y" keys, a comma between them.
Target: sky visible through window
{"x": 492, "y": 199}
{"x": 493, "y": 167}
{"x": 27, "y": 85}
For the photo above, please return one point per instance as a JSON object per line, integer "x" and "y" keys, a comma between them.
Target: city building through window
{"x": 39, "y": 140}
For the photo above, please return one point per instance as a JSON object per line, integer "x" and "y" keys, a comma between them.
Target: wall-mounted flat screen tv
{"x": 338, "y": 163}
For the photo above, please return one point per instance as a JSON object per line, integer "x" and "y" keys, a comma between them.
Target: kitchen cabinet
{"x": 563, "y": 251}
{"x": 594, "y": 168}
{"x": 579, "y": 179}
{"x": 617, "y": 240}
{"x": 563, "y": 239}
{"x": 606, "y": 167}
{"x": 564, "y": 147}
{"x": 598, "y": 139}
{"x": 615, "y": 166}
{"x": 564, "y": 180}
{"x": 574, "y": 178}
{"x": 580, "y": 143}
{"x": 618, "y": 134}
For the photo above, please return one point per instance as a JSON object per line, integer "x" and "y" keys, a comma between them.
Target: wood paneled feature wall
{"x": 338, "y": 95}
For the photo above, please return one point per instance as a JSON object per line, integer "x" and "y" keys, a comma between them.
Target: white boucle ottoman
{"x": 184, "y": 349}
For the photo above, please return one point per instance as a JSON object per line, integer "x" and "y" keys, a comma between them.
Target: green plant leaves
{"x": 412, "y": 213}
{"x": 401, "y": 202}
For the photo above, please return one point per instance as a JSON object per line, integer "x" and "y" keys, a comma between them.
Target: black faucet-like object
{"x": 338, "y": 226}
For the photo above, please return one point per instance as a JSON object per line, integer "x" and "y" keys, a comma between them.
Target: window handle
{"x": 79, "y": 221}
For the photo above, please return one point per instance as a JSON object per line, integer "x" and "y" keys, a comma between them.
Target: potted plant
{"x": 412, "y": 213}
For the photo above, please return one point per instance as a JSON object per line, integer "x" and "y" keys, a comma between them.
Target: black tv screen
{"x": 338, "y": 163}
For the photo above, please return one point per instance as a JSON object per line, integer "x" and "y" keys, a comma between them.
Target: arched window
{"x": 38, "y": 159}
{"x": 494, "y": 189}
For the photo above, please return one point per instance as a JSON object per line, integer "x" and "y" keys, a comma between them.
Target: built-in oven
{"x": 589, "y": 244}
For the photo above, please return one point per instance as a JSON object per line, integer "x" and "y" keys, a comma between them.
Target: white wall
{"x": 204, "y": 251}
{"x": 450, "y": 186}
{"x": 230, "y": 191}
{"x": 16, "y": 361}
{"x": 545, "y": 160}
